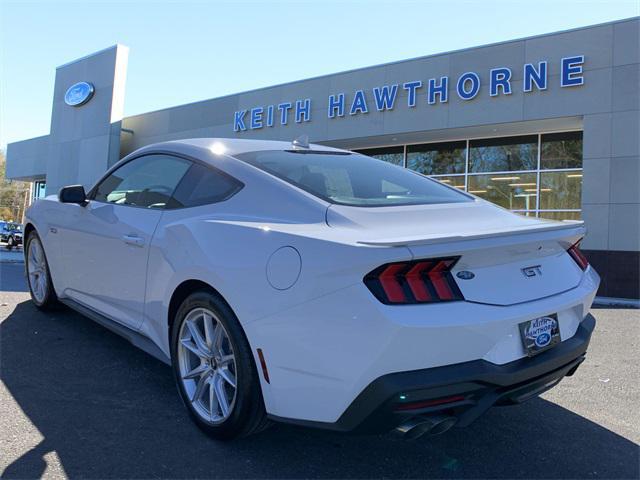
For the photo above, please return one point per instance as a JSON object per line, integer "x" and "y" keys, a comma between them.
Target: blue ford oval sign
{"x": 465, "y": 275}
{"x": 79, "y": 94}
{"x": 543, "y": 339}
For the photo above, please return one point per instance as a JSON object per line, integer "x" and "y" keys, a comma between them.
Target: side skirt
{"x": 135, "y": 338}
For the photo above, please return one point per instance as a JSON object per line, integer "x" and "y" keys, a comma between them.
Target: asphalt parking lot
{"x": 78, "y": 401}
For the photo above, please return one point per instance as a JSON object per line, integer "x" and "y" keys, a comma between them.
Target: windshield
{"x": 353, "y": 179}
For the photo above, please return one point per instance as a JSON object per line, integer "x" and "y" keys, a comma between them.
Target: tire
{"x": 206, "y": 364}
{"x": 10, "y": 243}
{"x": 39, "y": 280}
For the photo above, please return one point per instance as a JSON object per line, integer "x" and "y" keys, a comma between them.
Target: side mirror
{"x": 73, "y": 194}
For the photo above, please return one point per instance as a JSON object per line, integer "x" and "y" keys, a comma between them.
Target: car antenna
{"x": 301, "y": 142}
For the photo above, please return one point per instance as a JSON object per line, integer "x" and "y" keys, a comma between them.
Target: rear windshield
{"x": 353, "y": 179}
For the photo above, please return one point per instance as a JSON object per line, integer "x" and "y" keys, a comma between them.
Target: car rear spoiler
{"x": 568, "y": 228}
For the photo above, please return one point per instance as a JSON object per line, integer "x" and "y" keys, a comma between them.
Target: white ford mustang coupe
{"x": 311, "y": 285}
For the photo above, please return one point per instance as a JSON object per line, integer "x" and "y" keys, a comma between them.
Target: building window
{"x": 560, "y": 190}
{"x": 39, "y": 189}
{"x": 561, "y": 150}
{"x": 457, "y": 181}
{"x": 515, "y": 192}
{"x": 535, "y": 175}
{"x": 437, "y": 158}
{"x": 393, "y": 155}
{"x": 503, "y": 154}
{"x": 561, "y": 215}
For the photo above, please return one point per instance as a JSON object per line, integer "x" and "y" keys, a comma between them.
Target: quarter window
{"x": 147, "y": 182}
{"x": 204, "y": 185}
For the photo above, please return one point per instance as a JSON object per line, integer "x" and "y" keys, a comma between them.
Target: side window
{"x": 147, "y": 182}
{"x": 204, "y": 185}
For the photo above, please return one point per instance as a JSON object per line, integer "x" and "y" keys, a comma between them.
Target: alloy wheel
{"x": 207, "y": 365}
{"x": 37, "y": 270}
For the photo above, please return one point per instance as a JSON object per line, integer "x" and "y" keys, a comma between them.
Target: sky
{"x": 186, "y": 51}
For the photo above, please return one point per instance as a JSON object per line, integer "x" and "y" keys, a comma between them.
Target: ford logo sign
{"x": 543, "y": 339}
{"x": 465, "y": 275}
{"x": 79, "y": 94}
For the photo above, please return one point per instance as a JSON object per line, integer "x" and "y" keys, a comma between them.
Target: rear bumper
{"x": 473, "y": 386}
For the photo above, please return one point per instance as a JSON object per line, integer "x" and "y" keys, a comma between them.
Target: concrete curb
{"x": 11, "y": 256}
{"x": 616, "y": 302}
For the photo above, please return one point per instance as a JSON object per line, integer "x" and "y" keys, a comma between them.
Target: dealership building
{"x": 545, "y": 126}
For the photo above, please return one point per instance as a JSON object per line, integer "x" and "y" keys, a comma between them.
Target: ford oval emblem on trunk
{"x": 465, "y": 275}
{"x": 78, "y": 94}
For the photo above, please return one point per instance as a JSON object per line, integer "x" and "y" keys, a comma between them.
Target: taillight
{"x": 418, "y": 281}
{"x": 429, "y": 403}
{"x": 578, "y": 256}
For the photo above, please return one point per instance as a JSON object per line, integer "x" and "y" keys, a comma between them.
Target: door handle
{"x": 133, "y": 240}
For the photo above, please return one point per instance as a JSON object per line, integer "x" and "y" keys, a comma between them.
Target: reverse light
{"x": 418, "y": 281}
{"x": 578, "y": 256}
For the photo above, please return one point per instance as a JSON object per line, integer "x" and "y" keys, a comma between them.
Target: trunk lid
{"x": 511, "y": 258}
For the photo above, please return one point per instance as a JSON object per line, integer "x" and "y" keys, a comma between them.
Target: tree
{"x": 14, "y": 195}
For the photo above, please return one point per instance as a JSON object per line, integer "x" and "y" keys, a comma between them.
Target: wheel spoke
{"x": 229, "y": 377}
{"x": 207, "y": 321}
{"x": 197, "y": 337}
{"x": 37, "y": 252}
{"x": 196, "y": 372}
{"x": 193, "y": 348}
{"x": 214, "y": 406}
{"x": 202, "y": 383}
{"x": 221, "y": 394}
{"x": 218, "y": 334}
{"x": 226, "y": 360}
{"x": 34, "y": 264}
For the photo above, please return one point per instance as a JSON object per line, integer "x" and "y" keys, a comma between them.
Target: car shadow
{"x": 110, "y": 411}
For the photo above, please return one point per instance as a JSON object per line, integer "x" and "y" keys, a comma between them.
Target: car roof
{"x": 225, "y": 146}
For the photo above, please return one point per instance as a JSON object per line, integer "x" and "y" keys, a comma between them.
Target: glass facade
{"x": 503, "y": 154}
{"x": 457, "y": 181}
{"x": 514, "y": 192}
{"x": 39, "y": 189}
{"x": 437, "y": 158}
{"x": 536, "y": 175}
{"x": 561, "y": 150}
{"x": 393, "y": 155}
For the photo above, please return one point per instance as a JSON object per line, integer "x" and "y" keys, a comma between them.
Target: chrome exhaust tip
{"x": 415, "y": 427}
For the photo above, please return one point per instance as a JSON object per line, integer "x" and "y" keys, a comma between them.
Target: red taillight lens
{"x": 578, "y": 256}
{"x": 419, "y": 281}
{"x": 429, "y": 403}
